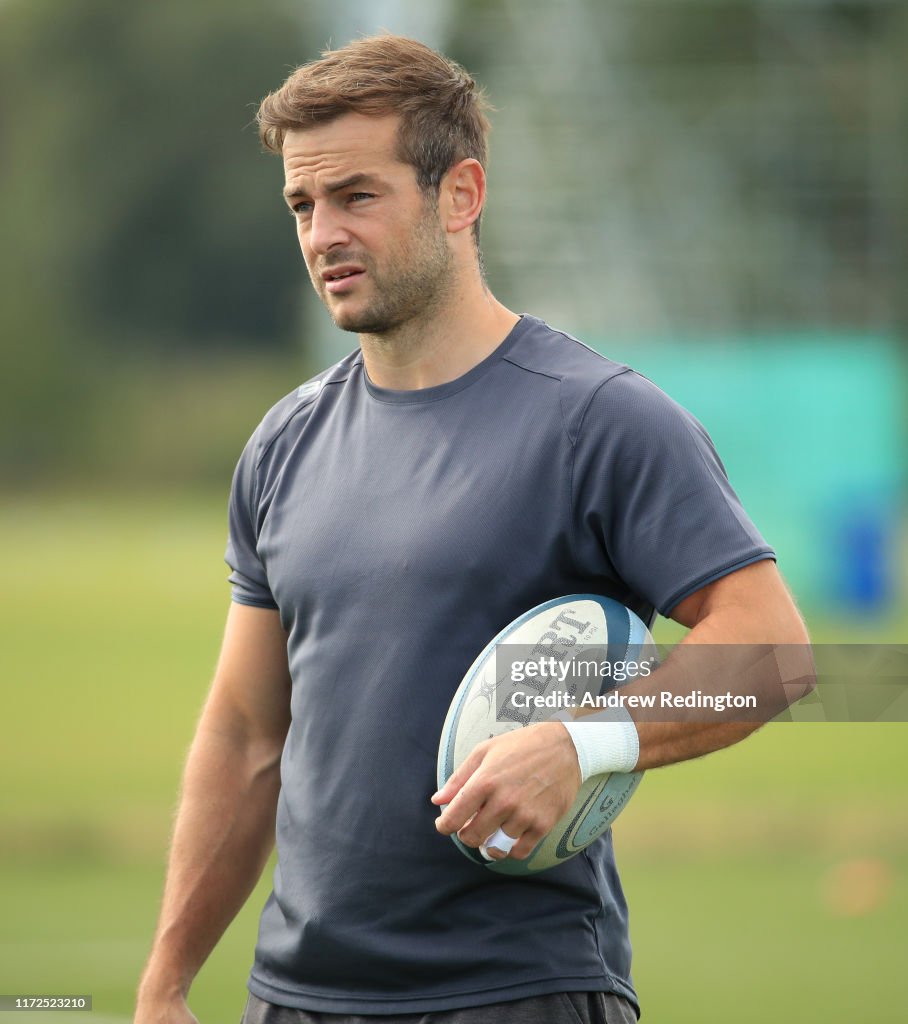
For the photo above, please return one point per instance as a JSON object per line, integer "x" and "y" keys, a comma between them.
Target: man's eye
{"x": 300, "y": 208}
{"x": 357, "y": 197}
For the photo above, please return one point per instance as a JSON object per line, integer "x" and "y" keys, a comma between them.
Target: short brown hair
{"x": 442, "y": 110}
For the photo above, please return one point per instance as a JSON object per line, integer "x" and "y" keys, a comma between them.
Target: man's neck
{"x": 443, "y": 346}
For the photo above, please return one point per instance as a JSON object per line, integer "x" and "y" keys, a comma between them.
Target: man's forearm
{"x": 710, "y": 697}
{"x": 763, "y": 654}
{"x": 223, "y": 835}
{"x": 720, "y": 684}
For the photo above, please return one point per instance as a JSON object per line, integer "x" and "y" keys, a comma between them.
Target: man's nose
{"x": 326, "y": 229}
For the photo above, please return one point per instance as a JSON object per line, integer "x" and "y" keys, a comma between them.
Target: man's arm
{"x": 224, "y": 829}
{"x": 749, "y": 613}
{"x": 524, "y": 781}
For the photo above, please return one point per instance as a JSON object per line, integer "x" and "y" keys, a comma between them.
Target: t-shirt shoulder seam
{"x": 511, "y": 357}
{"x": 571, "y": 495}
{"x": 620, "y": 372}
{"x": 305, "y": 399}
{"x": 266, "y": 445}
{"x": 514, "y": 361}
{"x": 575, "y": 341}
{"x": 559, "y": 380}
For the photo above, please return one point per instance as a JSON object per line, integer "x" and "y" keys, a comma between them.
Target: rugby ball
{"x": 571, "y": 652}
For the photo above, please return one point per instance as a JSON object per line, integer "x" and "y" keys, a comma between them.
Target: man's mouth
{"x": 339, "y": 279}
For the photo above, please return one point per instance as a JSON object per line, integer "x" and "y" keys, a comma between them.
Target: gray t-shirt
{"x": 397, "y": 532}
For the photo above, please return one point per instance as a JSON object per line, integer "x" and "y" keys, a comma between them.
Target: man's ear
{"x": 462, "y": 195}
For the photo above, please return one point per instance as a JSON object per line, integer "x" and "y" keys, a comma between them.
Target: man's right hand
{"x": 164, "y": 1011}
{"x": 225, "y": 825}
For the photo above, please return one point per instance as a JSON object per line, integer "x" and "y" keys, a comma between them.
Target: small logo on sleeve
{"x": 310, "y": 390}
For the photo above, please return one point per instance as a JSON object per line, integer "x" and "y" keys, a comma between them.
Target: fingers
{"x": 498, "y": 845}
{"x": 459, "y": 776}
{"x": 516, "y": 836}
{"x": 463, "y": 796}
{"x": 509, "y": 841}
{"x": 521, "y": 782}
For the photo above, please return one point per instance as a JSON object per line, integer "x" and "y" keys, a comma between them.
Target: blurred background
{"x": 713, "y": 191}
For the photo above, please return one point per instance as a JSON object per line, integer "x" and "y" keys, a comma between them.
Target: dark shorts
{"x": 560, "y": 1008}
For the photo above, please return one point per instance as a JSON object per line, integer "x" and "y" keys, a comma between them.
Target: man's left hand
{"x": 521, "y": 782}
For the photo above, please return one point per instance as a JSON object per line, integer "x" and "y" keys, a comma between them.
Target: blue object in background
{"x": 869, "y": 550}
{"x": 812, "y": 432}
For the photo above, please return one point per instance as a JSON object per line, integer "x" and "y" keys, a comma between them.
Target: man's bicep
{"x": 250, "y": 694}
{"x": 751, "y": 605}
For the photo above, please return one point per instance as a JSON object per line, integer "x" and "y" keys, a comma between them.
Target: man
{"x": 386, "y": 520}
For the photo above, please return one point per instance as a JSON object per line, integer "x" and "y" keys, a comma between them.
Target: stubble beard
{"x": 417, "y": 278}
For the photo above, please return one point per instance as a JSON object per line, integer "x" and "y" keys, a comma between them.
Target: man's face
{"x": 376, "y": 251}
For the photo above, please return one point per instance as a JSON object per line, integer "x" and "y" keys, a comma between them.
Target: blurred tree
{"x": 128, "y": 184}
{"x": 138, "y": 217}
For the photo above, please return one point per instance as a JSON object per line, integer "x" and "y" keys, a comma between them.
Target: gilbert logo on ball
{"x": 529, "y": 672}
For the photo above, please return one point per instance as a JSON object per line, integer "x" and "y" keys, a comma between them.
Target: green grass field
{"x": 768, "y": 880}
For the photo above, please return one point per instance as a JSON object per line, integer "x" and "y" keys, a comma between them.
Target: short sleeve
{"x": 651, "y": 493}
{"x": 248, "y": 577}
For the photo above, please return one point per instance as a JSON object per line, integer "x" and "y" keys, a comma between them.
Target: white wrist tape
{"x": 605, "y": 742}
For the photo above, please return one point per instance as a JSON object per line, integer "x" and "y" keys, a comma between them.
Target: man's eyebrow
{"x": 294, "y": 192}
